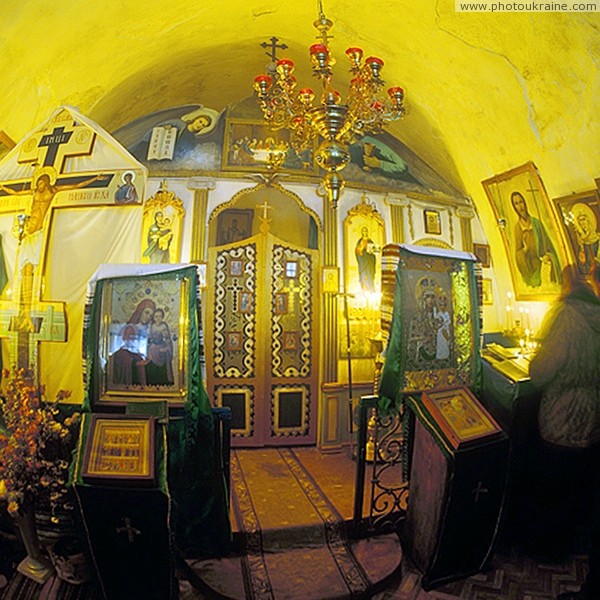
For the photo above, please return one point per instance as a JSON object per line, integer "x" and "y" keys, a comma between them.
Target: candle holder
{"x": 515, "y": 333}
{"x": 527, "y": 344}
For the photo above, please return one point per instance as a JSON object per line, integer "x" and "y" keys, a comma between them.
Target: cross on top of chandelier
{"x": 365, "y": 109}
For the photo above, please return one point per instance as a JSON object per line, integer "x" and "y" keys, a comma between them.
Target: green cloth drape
{"x": 194, "y": 476}
{"x": 454, "y": 272}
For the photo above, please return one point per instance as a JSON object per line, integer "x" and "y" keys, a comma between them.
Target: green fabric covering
{"x": 429, "y": 424}
{"x": 140, "y": 566}
{"x": 3, "y": 270}
{"x": 401, "y": 373}
{"x": 194, "y": 477}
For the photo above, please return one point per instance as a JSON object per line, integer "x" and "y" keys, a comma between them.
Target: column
{"x": 201, "y": 188}
{"x": 329, "y": 362}
{"x": 397, "y": 205}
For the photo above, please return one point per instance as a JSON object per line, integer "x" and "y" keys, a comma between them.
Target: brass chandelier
{"x": 339, "y": 123}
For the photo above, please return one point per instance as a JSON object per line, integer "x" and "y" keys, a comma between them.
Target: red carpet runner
{"x": 295, "y": 546}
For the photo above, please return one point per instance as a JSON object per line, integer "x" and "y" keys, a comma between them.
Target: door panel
{"x": 261, "y": 350}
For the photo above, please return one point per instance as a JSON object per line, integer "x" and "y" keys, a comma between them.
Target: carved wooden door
{"x": 261, "y": 350}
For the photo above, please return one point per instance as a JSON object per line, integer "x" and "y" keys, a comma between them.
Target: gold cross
{"x": 266, "y": 207}
{"x": 293, "y": 291}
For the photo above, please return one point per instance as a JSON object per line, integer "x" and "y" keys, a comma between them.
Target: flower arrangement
{"x": 35, "y": 445}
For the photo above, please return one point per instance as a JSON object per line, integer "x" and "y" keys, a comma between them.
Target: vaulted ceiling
{"x": 486, "y": 91}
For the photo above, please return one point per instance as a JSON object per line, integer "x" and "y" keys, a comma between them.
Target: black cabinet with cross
{"x": 458, "y": 478}
{"x": 125, "y": 514}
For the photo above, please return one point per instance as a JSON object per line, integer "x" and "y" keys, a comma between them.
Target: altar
{"x": 510, "y": 397}
{"x": 507, "y": 391}
{"x": 124, "y": 504}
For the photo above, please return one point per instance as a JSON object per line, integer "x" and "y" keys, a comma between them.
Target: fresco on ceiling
{"x": 192, "y": 138}
{"x": 372, "y": 157}
{"x": 184, "y": 138}
{"x": 384, "y": 161}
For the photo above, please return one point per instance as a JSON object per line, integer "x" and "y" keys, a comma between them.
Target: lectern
{"x": 457, "y": 457}
{"x": 458, "y": 479}
{"x": 149, "y": 474}
{"x": 122, "y": 494}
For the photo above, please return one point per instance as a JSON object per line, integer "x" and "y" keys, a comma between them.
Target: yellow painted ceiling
{"x": 487, "y": 92}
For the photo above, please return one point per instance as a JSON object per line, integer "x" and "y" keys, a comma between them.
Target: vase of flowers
{"x": 35, "y": 451}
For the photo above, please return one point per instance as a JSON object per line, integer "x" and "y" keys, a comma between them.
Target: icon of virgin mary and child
{"x": 146, "y": 354}
{"x": 430, "y": 330}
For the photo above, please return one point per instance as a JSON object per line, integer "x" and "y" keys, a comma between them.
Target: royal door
{"x": 260, "y": 340}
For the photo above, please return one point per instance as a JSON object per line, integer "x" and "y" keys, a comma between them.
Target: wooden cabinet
{"x": 458, "y": 476}
{"x": 126, "y": 521}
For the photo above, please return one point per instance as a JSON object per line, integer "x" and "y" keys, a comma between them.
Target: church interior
{"x": 266, "y": 325}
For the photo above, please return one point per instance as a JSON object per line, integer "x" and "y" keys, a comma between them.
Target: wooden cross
{"x": 532, "y": 189}
{"x": 26, "y": 319}
{"x": 274, "y": 47}
{"x": 51, "y": 148}
{"x": 129, "y": 530}
{"x": 25, "y": 324}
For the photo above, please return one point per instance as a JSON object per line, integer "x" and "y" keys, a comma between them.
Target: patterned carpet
{"x": 294, "y": 543}
{"x": 22, "y": 588}
{"x": 277, "y": 516}
{"x": 512, "y": 576}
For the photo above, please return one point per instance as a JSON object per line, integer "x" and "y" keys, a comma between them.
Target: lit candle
{"x": 509, "y": 308}
{"x": 521, "y": 320}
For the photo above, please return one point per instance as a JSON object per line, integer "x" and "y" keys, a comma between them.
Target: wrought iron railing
{"x": 381, "y": 490}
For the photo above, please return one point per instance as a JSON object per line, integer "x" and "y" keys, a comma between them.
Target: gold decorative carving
{"x": 143, "y": 340}
{"x": 292, "y": 354}
{"x": 234, "y": 312}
